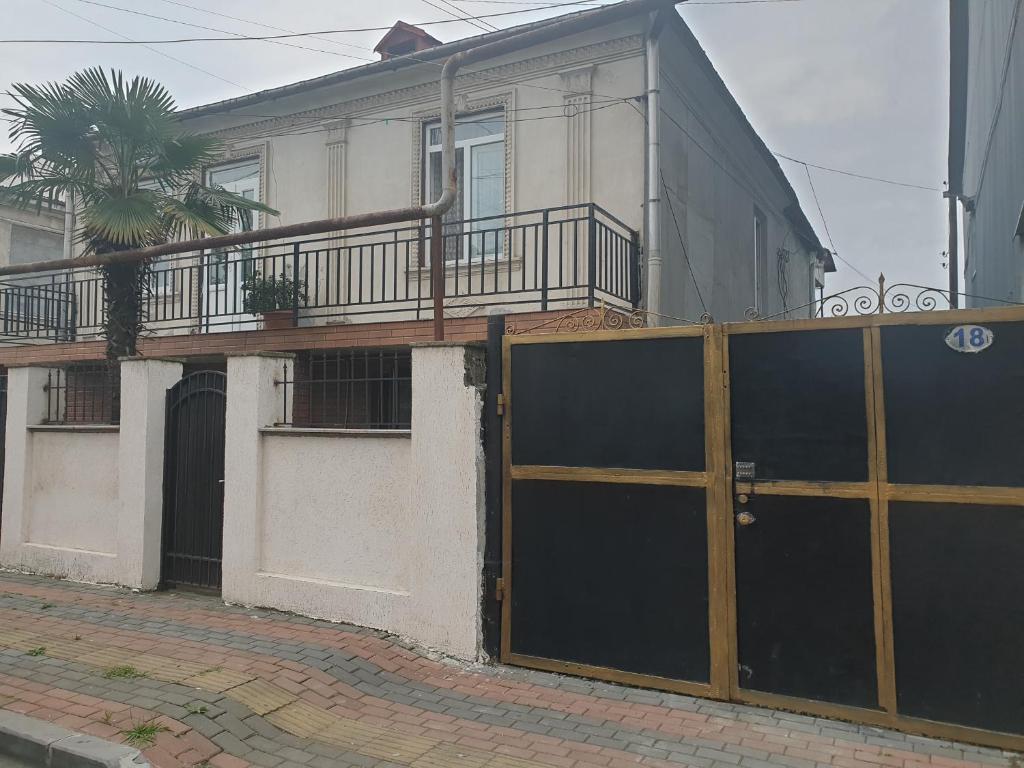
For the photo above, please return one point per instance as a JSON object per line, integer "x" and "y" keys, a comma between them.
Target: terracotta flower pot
{"x": 277, "y": 320}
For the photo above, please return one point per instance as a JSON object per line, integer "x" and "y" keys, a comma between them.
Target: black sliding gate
{"x": 193, "y": 523}
{"x": 824, "y": 515}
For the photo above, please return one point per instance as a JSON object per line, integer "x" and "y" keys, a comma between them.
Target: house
{"x": 986, "y": 166}
{"x": 334, "y": 466}
{"x": 544, "y": 133}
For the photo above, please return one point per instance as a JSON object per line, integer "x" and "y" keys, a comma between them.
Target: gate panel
{"x": 194, "y": 481}
{"x": 805, "y": 614}
{"x": 953, "y": 512}
{"x": 612, "y": 576}
{"x": 953, "y": 418}
{"x": 958, "y": 612}
{"x": 636, "y": 403}
{"x": 798, "y": 407}
{"x": 610, "y": 482}
{"x": 807, "y": 624}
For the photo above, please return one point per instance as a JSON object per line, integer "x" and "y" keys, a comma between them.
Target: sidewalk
{"x": 227, "y": 687}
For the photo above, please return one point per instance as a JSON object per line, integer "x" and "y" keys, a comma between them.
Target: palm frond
{"x": 130, "y": 221}
{"x": 176, "y": 159}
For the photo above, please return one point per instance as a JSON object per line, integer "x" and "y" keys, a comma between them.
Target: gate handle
{"x": 745, "y": 518}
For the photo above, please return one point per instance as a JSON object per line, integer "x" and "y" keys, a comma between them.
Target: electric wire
{"x": 144, "y": 45}
{"x": 682, "y": 244}
{"x": 824, "y": 222}
{"x": 458, "y": 15}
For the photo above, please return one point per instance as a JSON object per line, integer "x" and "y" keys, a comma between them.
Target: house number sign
{"x": 969, "y": 338}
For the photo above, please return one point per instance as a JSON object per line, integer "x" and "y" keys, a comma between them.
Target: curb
{"x": 43, "y": 744}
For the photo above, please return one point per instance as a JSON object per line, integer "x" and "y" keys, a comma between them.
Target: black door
{"x": 194, "y": 481}
{"x": 803, "y": 515}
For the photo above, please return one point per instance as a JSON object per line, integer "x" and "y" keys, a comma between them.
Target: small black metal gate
{"x": 194, "y": 481}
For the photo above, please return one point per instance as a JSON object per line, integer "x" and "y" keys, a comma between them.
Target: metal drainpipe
{"x": 653, "y": 208}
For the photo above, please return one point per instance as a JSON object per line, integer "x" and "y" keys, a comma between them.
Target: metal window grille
{"x": 83, "y": 394}
{"x": 349, "y": 389}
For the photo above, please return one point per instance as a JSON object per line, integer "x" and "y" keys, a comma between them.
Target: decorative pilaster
{"x": 336, "y": 148}
{"x": 577, "y": 106}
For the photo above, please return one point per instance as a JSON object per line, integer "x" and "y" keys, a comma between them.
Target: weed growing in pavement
{"x": 47, "y": 606}
{"x": 142, "y": 735}
{"x": 108, "y": 717}
{"x": 195, "y": 709}
{"x": 40, "y": 651}
{"x": 123, "y": 673}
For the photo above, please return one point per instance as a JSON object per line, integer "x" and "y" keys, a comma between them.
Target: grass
{"x": 40, "y": 651}
{"x": 123, "y": 673}
{"x": 195, "y": 709}
{"x": 142, "y": 735}
{"x": 108, "y": 717}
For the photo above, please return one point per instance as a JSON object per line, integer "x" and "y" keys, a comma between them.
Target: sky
{"x": 855, "y": 85}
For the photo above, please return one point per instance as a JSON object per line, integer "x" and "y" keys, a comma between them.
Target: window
{"x": 480, "y": 167}
{"x": 350, "y": 389}
{"x": 760, "y": 260}
{"x": 243, "y": 179}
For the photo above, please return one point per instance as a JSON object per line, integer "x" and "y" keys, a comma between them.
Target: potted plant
{"x": 271, "y": 297}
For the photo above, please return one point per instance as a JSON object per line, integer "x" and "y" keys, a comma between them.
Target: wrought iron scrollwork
{"x": 602, "y": 318}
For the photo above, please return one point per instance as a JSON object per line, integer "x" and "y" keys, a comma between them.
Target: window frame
{"x": 467, "y": 146}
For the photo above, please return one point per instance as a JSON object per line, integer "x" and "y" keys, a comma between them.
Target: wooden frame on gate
{"x": 719, "y": 483}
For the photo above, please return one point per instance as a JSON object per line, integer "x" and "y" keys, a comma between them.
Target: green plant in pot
{"x": 272, "y": 296}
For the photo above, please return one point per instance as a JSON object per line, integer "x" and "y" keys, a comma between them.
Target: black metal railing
{"x": 539, "y": 259}
{"x": 83, "y": 394}
{"x": 348, "y": 389}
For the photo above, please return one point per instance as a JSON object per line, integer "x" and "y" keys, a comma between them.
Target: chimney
{"x": 403, "y": 39}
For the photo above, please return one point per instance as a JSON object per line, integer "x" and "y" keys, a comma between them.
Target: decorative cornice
{"x": 593, "y": 54}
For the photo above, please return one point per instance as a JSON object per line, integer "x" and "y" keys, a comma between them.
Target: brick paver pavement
{"x": 225, "y": 686}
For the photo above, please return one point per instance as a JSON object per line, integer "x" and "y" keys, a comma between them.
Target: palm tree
{"x": 115, "y": 148}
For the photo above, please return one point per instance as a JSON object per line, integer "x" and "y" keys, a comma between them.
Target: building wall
{"x": 993, "y": 162}
{"x": 74, "y": 490}
{"x": 84, "y": 502}
{"x": 380, "y": 531}
{"x": 339, "y": 528}
{"x": 586, "y": 148}
{"x": 715, "y": 176}
{"x": 29, "y": 235}
{"x": 375, "y": 125}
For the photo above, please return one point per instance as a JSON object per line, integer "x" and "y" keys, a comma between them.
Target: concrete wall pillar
{"x": 144, "y": 385}
{"x": 253, "y": 402}
{"x": 26, "y": 406}
{"x": 448, "y": 495}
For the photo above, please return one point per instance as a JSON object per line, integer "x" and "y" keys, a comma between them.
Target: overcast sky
{"x": 857, "y": 85}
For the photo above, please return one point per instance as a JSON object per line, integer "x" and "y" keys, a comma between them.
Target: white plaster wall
{"x": 74, "y": 499}
{"x": 85, "y": 502}
{"x": 336, "y": 510}
{"x": 384, "y": 532}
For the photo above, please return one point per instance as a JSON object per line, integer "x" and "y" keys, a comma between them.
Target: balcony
{"x": 568, "y": 257}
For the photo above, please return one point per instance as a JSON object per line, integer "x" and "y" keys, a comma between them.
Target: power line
{"x": 255, "y": 38}
{"x": 858, "y": 175}
{"x": 682, "y": 244}
{"x": 475, "y": 24}
{"x": 144, "y": 45}
{"x": 209, "y": 29}
{"x": 824, "y": 223}
{"x": 265, "y": 26}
